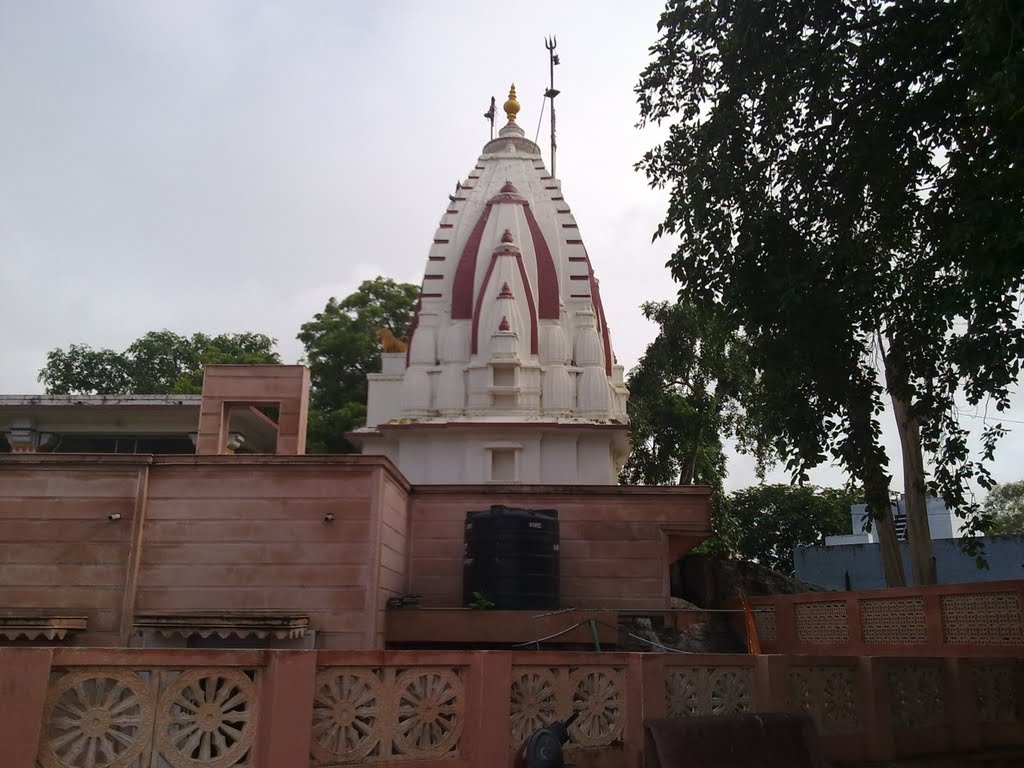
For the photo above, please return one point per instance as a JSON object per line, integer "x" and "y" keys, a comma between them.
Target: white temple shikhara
{"x": 509, "y": 374}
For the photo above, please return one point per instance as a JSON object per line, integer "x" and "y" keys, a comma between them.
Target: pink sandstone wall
{"x": 59, "y": 552}
{"x": 616, "y": 542}
{"x": 230, "y": 537}
{"x": 297, "y": 702}
{"x": 247, "y": 533}
{"x": 979, "y": 619}
{"x": 392, "y": 549}
{"x": 203, "y": 534}
{"x": 286, "y": 386}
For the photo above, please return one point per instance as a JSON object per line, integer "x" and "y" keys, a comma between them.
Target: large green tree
{"x": 1005, "y": 507}
{"x": 158, "y": 363}
{"x": 846, "y": 183}
{"x": 342, "y": 347}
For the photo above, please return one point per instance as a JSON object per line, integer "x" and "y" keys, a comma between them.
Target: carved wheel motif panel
{"x": 96, "y": 717}
{"x": 893, "y": 620}
{"x": 916, "y": 694}
{"x": 822, "y": 622}
{"x": 533, "y": 702}
{"x": 430, "y": 712}
{"x": 708, "y": 691}
{"x": 347, "y": 710}
{"x": 998, "y": 690}
{"x": 363, "y": 714}
{"x": 982, "y": 619}
{"x": 827, "y": 695}
{"x": 207, "y": 719}
{"x": 539, "y": 695}
{"x": 597, "y": 696}
{"x": 113, "y": 717}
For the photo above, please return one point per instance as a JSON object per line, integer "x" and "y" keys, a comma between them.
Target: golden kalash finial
{"x": 511, "y": 106}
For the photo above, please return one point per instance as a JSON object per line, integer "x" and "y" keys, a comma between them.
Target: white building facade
{"x": 942, "y": 524}
{"x": 509, "y": 375}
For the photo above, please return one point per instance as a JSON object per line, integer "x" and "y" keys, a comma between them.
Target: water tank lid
{"x": 500, "y": 510}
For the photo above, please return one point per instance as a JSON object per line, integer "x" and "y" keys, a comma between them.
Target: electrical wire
{"x": 647, "y": 610}
{"x": 549, "y": 637}
{"x": 986, "y": 417}
{"x": 540, "y": 119}
{"x": 540, "y": 640}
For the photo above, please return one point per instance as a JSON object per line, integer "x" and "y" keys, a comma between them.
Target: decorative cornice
{"x": 38, "y": 626}
{"x": 259, "y": 624}
{"x": 500, "y": 425}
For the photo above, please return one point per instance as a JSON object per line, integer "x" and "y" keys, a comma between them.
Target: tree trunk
{"x": 691, "y": 471}
{"x": 876, "y": 490}
{"x": 876, "y": 494}
{"x": 922, "y": 559}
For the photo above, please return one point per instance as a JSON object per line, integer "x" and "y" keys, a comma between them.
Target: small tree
{"x": 683, "y": 397}
{"x": 764, "y": 523}
{"x": 341, "y": 348}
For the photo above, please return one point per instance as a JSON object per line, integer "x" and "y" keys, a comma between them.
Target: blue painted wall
{"x": 830, "y": 567}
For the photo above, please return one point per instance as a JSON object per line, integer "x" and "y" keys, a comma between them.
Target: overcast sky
{"x": 229, "y": 166}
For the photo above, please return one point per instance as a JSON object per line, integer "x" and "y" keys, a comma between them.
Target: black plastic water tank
{"x": 511, "y": 558}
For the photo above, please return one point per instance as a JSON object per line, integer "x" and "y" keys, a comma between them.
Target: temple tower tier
{"x": 509, "y": 374}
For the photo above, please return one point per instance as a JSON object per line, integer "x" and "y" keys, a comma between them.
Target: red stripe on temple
{"x": 475, "y": 336}
{"x": 462, "y": 286}
{"x": 599, "y": 306}
{"x": 547, "y": 276}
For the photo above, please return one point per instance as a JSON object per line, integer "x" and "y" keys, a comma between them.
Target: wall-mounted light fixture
{"x": 329, "y": 517}
{"x": 114, "y": 516}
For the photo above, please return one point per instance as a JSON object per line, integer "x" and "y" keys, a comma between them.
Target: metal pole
{"x": 489, "y": 115}
{"x": 550, "y": 43}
